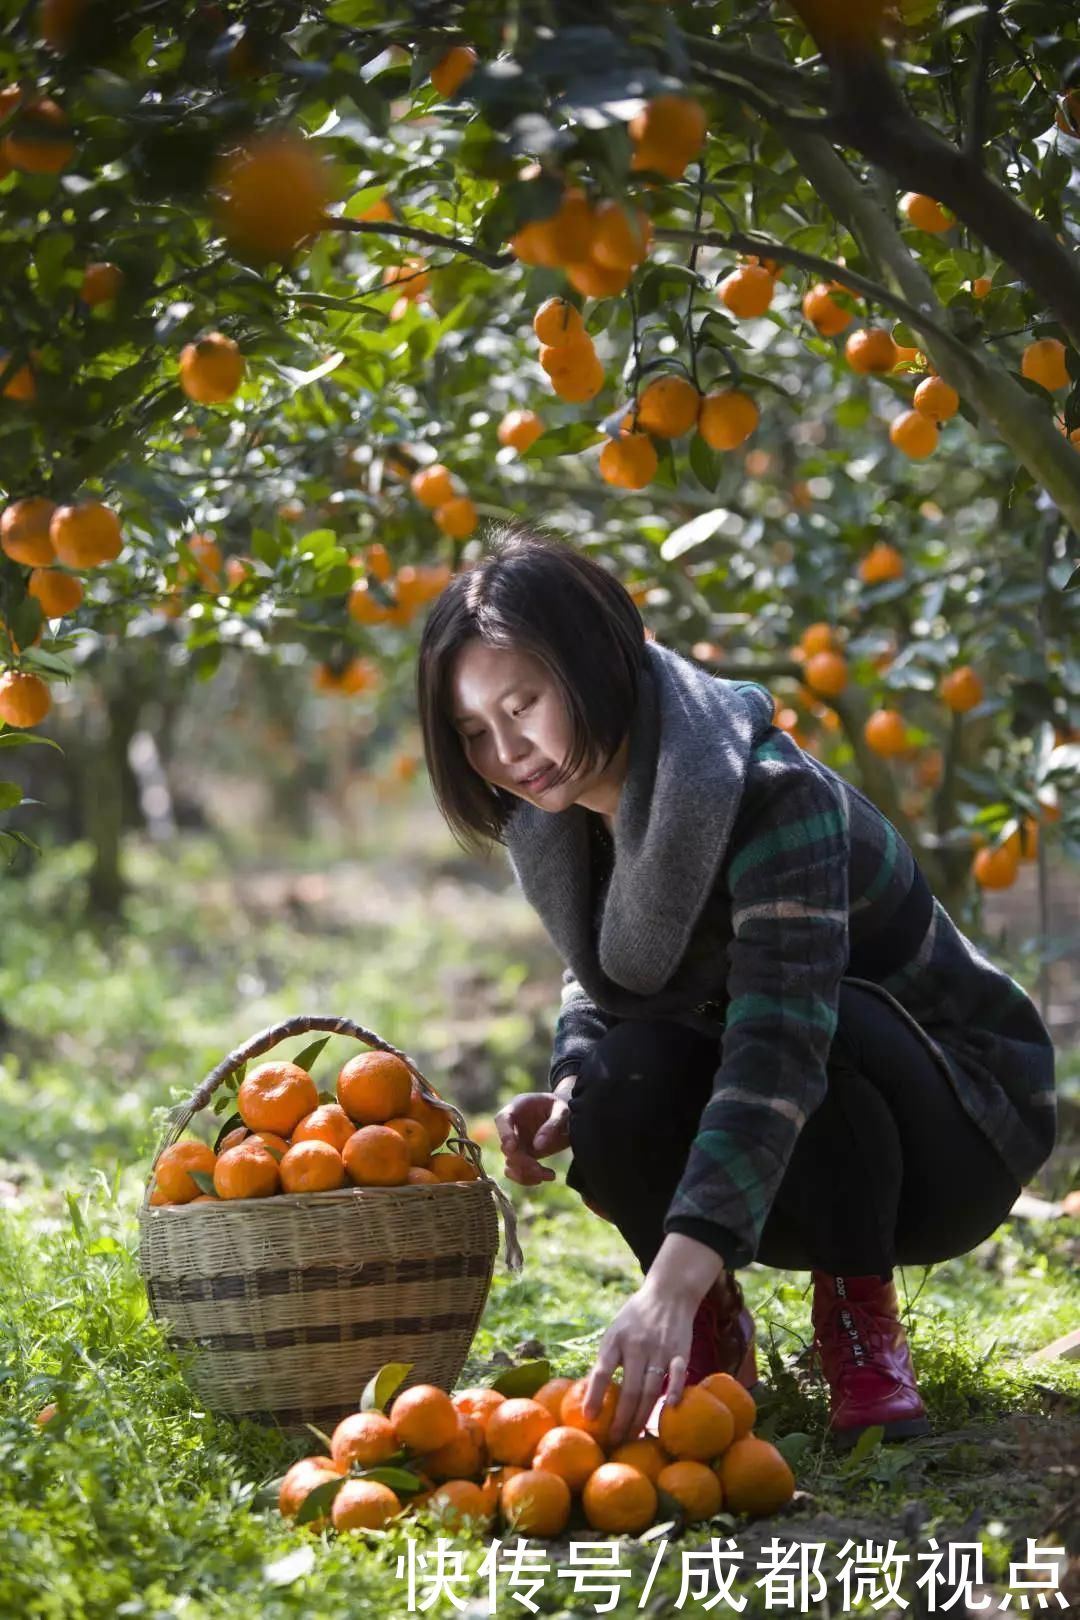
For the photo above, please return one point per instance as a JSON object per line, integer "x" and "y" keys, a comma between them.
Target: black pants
{"x": 888, "y": 1171}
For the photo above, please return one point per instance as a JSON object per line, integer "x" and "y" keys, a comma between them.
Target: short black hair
{"x": 531, "y": 590}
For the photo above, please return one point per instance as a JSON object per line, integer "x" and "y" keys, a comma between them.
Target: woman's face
{"x": 513, "y": 723}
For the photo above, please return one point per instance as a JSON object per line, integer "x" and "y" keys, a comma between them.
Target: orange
{"x": 935, "y": 399}
{"x": 301, "y": 1479}
{"x": 421, "y": 1176}
{"x": 477, "y": 1401}
{"x": 364, "y": 1504}
{"x": 619, "y": 1500}
{"x": 46, "y": 1414}
{"x": 570, "y": 1453}
{"x": 882, "y": 562}
{"x": 981, "y": 286}
{"x": 755, "y": 1477}
{"x": 826, "y": 674}
{"x": 208, "y": 562}
{"x": 374, "y": 1087}
{"x": 822, "y": 310}
{"x": 747, "y": 291}
{"x": 58, "y": 593}
{"x": 514, "y": 1429}
{"x": 363, "y": 1438}
{"x": 558, "y": 321}
{"x": 423, "y": 1418}
{"x": 562, "y": 238}
{"x": 380, "y": 210}
{"x": 819, "y": 637}
{"x": 572, "y": 1410}
{"x": 37, "y": 143}
{"x": 85, "y": 536}
{"x": 908, "y": 358}
{"x": 327, "y": 1123}
{"x": 58, "y": 22}
{"x": 413, "y": 278}
{"x": 700, "y": 1426}
{"x": 536, "y": 1502}
{"x": 962, "y": 689}
{"x": 462, "y": 1456}
{"x": 520, "y": 429}
{"x": 211, "y": 369}
{"x": 452, "y": 1167}
{"x": 1025, "y": 840}
{"x": 577, "y": 373}
{"x": 569, "y": 356}
{"x": 272, "y": 193}
{"x": 996, "y": 868}
{"x": 172, "y": 1172}
{"x": 1067, "y": 116}
{"x": 364, "y": 606}
{"x": 432, "y": 485}
{"x": 436, "y": 1121}
{"x": 620, "y": 239}
{"x": 668, "y": 134}
{"x": 452, "y": 69}
{"x": 915, "y": 434}
{"x": 415, "y": 1138}
{"x": 924, "y": 213}
{"x": 886, "y": 733}
{"x": 376, "y": 560}
{"x": 551, "y": 1395}
{"x": 20, "y": 384}
{"x": 458, "y": 1500}
{"x": 628, "y": 462}
{"x": 275, "y": 1097}
{"x": 100, "y": 284}
{"x": 24, "y": 531}
{"x": 668, "y": 407}
{"x": 1044, "y": 362}
{"x": 727, "y": 419}
{"x": 695, "y": 1486}
{"x": 457, "y": 517}
{"x": 309, "y": 1167}
{"x": 930, "y": 769}
{"x": 24, "y": 699}
{"x": 870, "y": 349}
{"x": 375, "y": 1156}
{"x": 738, "y": 1400}
{"x": 493, "y": 1482}
{"x": 594, "y": 280}
{"x": 646, "y": 1454}
{"x": 248, "y": 1170}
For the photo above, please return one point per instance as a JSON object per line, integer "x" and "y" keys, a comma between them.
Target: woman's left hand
{"x": 650, "y": 1336}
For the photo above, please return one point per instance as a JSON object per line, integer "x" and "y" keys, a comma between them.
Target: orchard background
{"x": 269, "y": 367}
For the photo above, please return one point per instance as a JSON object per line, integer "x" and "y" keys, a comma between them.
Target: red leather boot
{"x": 723, "y": 1341}
{"x": 864, "y": 1353}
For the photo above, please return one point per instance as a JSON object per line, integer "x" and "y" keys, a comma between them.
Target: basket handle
{"x": 182, "y": 1114}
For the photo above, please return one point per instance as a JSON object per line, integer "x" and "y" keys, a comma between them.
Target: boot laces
{"x": 856, "y": 1334}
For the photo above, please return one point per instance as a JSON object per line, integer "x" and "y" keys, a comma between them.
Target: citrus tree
{"x": 774, "y": 308}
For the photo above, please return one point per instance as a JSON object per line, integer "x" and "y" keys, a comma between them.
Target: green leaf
{"x": 705, "y": 464}
{"x": 23, "y": 739}
{"x": 76, "y": 1216}
{"x": 307, "y": 1057}
{"x": 386, "y": 1382}
{"x": 568, "y": 440}
{"x": 318, "y": 1502}
{"x": 868, "y": 1442}
{"x": 230, "y": 1124}
{"x": 524, "y": 1380}
{"x": 204, "y": 1182}
{"x": 398, "y": 1479}
{"x": 793, "y": 1448}
{"x": 10, "y": 795}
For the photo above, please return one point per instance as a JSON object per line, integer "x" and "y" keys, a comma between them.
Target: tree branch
{"x": 416, "y": 233}
{"x": 822, "y": 124}
{"x": 979, "y": 96}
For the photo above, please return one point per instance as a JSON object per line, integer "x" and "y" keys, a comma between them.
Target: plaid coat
{"x": 816, "y": 886}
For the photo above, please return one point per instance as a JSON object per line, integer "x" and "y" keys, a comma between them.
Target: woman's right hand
{"x": 531, "y": 1127}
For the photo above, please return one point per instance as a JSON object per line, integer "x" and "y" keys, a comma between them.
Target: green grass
{"x": 134, "y": 1501}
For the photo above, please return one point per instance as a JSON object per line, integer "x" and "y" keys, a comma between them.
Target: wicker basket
{"x": 288, "y": 1305}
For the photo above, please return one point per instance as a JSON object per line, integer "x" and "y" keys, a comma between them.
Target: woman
{"x": 774, "y": 1043}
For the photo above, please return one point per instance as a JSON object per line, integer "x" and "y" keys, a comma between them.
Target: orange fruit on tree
{"x": 452, "y": 69}
{"x": 380, "y": 212}
{"x": 567, "y": 357}
{"x": 364, "y": 1504}
{"x": 668, "y": 133}
{"x": 558, "y": 321}
{"x": 208, "y": 562}
{"x": 172, "y": 1172}
{"x": 364, "y": 606}
{"x": 457, "y": 1501}
{"x": 981, "y": 286}
{"x": 930, "y": 769}
{"x": 747, "y": 291}
{"x": 276, "y": 1096}
{"x": 477, "y": 1401}
{"x": 515, "y": 1428}
{"x": 457, "y": 517}
{"x": 101, "y": 283}
{"x": 309, "y": 1167}
{"x": 58, "y": 593}
{"x": 936, "y": 399}
{"x": 377, "y": 561}
{"x": 327, "y": 1123}
{"x": 38, "y": 142}
{"x": 86, "y": 535}
{"x": 881, "y": 563}
{"x": 628, "y": 462}
{"x": 519, "y": 430}
{"x": 211, "y": 369}
{"x": 1044, "y": 362}
{"x": 695, "y": 1486}
{"x": 726, "y": 419}
{"x": 536, "y": 1502}
{"x": 870, "y": 350}
{"x": 376, "y": 1156}
{"x": 885, "y": 732}
{"x": 374, "y": 1086}
{"x": 755, "y": 1478}
{"x": 20, "y": 384}
{"x": 410, "y": 275}
{"x": 738, "y": 1400}
{"x": 551, "y": 1394}
{"x": 463, "y": 1456}
{"x": 645, "y": 1453}
{"x": 423, "y": 1418}
{"x": 301, "y": 1479}
{"x": 248, "y": 1170}
{"x": 819, "y": 637}
{"x": 962, "y": 689}
{"x": 436, "y": 1121}
{"x": 619, "y": 1500}
{"x": 573, "y": 1413}
{"x": 668, "y": 407}
{"x": 58, "y": 22}
{"x": 432, "y": 485}
{"x": 826, "y": 674}
{"x": 415, "y": 1137}
{"x": 915, "y": 434}
{"x": 620, "y": 239}
{"x": 1025, "y": 839}
{"x": 594, "y": 280}
{"x": 924, "y": 213}
{"x": 996, "y": 868}
{"x": 577, "y": 374}
{"x": 363, "y": 1438}
{"x": 452, "y": 1167}
{"x": 272, "y": 192}
{"x": 24, "y": 531}
{"x": 822, "y": 310}
{"x": 567, "y": 235}
{"x": 1067, "y": 116}
{"x": 24, "y": 699}
{"x": 700, "y": 1426}
{"x": 570, "y": 1453}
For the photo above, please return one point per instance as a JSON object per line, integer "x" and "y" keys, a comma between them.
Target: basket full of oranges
{"x": 320, "y": 1236}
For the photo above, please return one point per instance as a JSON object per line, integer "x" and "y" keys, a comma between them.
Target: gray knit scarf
{"x": 690, "y": 738}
